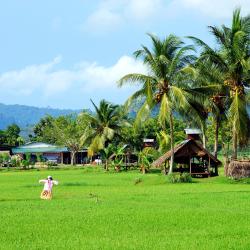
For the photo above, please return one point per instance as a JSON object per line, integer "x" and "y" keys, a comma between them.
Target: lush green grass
{"x": 97, "y": 210}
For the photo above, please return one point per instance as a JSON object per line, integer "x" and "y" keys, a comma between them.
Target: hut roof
{"x": 186, "y": 150}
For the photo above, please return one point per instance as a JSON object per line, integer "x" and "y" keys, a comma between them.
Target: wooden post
{"x": 190, "y": 165}
{"x": 209, "y": 165}
{"x": 61, "y": 157}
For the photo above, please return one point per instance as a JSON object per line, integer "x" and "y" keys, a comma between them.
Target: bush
{"x": 185, "y": 178}
{"x": 39, "y": 157}
{"x": 51, "y": 164}
{"x": 137, "y": 181}
{"x": 15, "y": 160}
{"x": 179, "y": 178}
{"x": 172, "y": 178}
{"x": 25, "y": 164}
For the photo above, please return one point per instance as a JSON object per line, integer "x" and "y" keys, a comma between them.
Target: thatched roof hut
{"x": 186, "y": 152}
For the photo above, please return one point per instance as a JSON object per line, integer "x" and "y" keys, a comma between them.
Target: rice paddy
{"x": 92, "y": 209}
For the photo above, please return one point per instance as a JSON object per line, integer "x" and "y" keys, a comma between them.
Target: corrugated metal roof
{"x": 193, "y": 131}
{"x": 53, "y": 149}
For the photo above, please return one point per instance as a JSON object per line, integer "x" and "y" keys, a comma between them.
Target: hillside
{"x": 26, "y": 116}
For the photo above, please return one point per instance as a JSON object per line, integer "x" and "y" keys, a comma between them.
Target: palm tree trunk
{"x": 171, "y": 123}
{"x": 216, "y": 136}
{"x": 204, "y": 141}
{"x": 235, "y": 144}
{"x": 106, "y": 165}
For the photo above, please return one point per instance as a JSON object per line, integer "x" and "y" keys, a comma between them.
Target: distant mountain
{"x": 26, "y": 116}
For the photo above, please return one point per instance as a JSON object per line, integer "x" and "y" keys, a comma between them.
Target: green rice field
{"x": 93, "y": 209}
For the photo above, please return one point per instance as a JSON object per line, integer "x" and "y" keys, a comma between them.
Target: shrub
{"x": 25, "y": 164}
{"x": 185, "y": 178}
{"x": 137, "y": 181}
{"x": 39, "y": 157}
{"x": 51, "y": 164}
{"x": 172, "y": 178}
{"x": 179, "y": 178}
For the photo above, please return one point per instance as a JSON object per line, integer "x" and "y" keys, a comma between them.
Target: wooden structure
{"x": 191, "y": 156}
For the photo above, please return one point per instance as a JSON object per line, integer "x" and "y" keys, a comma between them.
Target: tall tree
{"x": 208, "y": 81}
{"x": 12, "y": 135}
{"x": 101, "y": 127}
{"x": 166, "y": 83}
{"x": 41, "y": 130}
{"x": 67, "y": 131}
{"x": 232, "y": 57}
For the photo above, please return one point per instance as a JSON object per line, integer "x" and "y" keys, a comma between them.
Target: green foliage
{"x": 41, "y": 131}
{"x": 15, "y": 161}
{"x": 231, "y": 61}
{"x": 146, "y": 157}
{"x": 134, "y": 136}
{"x": 51, "y": 164}
{"x": 172, "y": 178}
{"x": 137, "y": 181}
{"x": 39, "y": 157}
{"x": 25, "y": 164}
{"x": 11, "y": 136}
{"x": 101, "y": 127}
{"x": 66, "y": 131}
{"x": 4, "y": 159}
{"x": 185, "y": 178}
{"x": 118, "y": 158}
{"x": 179, "y": 178}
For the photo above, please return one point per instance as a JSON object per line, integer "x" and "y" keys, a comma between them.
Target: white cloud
{"x": 110, "y": 14}
{"x": 212, "y": 8}
{"x": 100, "y": 77}
{"x": 48, "y": 81}
{"x": 103, "y": 20}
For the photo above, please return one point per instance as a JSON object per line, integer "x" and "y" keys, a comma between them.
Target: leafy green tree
{"x": 208, "y": 81}
{"x": 166, "y": 83}
{"x": 134, "y": 136}
{"x": 67, "y": 132}
{"x": 101, "y": 127}
{"x": 2, "y": 137}
{"x": 106, "y": 153}
{"x": 146, "y": 157}
{"x": 41, "y": 131}
{"x": 232, "y": 58}
{"x": 12, "y": 135}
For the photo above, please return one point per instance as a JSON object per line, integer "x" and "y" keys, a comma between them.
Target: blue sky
{"x": 61, "y": 53}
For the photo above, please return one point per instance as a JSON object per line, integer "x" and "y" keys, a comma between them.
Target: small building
{"x": 50, "y": 152}
{"x": 191, "y": 157}
{"x": 148, "y": 142}
{"x": 193, "y": 133}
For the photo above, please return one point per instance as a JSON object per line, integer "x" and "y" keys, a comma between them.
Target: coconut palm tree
{"x": 165, "y": 85}
{"x": 208, "y": 81}
{"x": 232, "y": 58}
{"x": 101, "y": 127}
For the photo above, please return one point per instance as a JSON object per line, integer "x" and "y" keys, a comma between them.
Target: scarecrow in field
{"x": 47, "y": 189}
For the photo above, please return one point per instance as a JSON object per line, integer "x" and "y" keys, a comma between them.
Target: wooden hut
{"x": 192, "y": 157}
